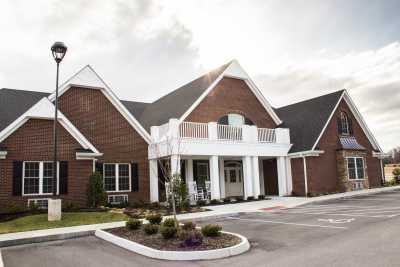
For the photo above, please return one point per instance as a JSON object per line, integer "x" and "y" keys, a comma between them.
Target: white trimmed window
{"x": 355, "y": 168}
{"x": 117, "y": 177}
{"x": 38, "y": 178}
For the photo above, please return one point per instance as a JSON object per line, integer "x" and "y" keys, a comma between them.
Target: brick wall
{"x": 322, "y": 171}
{"x": 99, "y": 121}
{"x": 34, "y": 141}
{"x": 231, "y": 96}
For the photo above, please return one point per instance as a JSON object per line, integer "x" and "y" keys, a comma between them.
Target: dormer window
{"x": 344, "y": 124}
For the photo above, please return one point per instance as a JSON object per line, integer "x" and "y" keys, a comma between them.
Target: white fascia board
{"x": 87, "y": 155}
{"x": 358, "y": 117}
{"x": 309, "y": 153}
{"x": 380, "y": 155}
{"x": 87, "y": 77}
{"x": 234, "y": 70}
{"x": 44, "y": 109}
{"x": 3, "y": 154}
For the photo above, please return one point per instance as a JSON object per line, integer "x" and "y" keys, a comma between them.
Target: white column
{"x": 175, "y": 164}
{"x": 256, "y": 176}
{"x": 153, "y": 180}
{"x": 289, "y": 178}
{"x": 305, "y": 176}
{"x": 261, "y": 171}
{"x": 189, "y": 170}
{"x": 282, "y": 185}
{"x": 222, "y": 177}
{"x": 214, "y": 178}
{"x": 212, "y": 131}
{"x": 248, "y": 183}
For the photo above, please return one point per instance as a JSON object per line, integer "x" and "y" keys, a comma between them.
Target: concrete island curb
{"x": 240, "y": 248}
{"x": 1, "y": 260}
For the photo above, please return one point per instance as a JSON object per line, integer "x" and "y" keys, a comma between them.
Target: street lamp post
{"x": 58, "y": 50}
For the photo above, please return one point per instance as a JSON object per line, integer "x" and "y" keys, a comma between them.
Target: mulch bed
{"x": 140, "y": 213}
{"x": 158, "y": 242}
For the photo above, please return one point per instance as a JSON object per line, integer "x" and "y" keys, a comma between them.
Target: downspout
{"x": 305, "y": 176}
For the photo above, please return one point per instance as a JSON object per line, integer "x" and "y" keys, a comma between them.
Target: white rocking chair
{"x": 208, "y": 190}
{"x": 192, "y": 189}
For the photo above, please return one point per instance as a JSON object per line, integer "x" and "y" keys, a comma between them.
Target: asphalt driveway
{"x": 358, "y": 231}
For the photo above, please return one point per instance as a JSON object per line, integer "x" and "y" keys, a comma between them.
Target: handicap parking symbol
{"x": 337, "y": 220}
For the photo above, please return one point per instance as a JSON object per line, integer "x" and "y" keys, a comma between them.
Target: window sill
{"x": 115, "y": 192}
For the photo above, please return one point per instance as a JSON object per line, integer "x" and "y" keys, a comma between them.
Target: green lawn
{"x": 37, "y": 222}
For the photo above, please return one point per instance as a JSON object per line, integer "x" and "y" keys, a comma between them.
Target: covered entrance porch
{"x": 223, "y": 160}
{"x": 219, "y": 177}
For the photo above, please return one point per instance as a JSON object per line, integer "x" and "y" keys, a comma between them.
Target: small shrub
{"x": 211, "y": 230}
{"x": 192, "y": 239}
{"x": 214, "y": 202}
{"x": 250, "y": 198}
{"x": 201, "y": 202}
{"x": 150, "y": 229}
{"x": 261, "y": 197}
{"x": 189, "y": 226}
{"x": 168, "y": 232}
{"x": 133, "y": 215}
{"x": 227, "y": 200}
{"x": 96, "y": 195}
{"x": 14, "y": 208}
{"x": 154, "y": 205}
{"x": 186, "y": 205}
{"x": 239, "y": 199}
{"x": 33, "y": 207}
{"x": 154, "y": 218}
{"x": 170, "y": 222}
{"x": 133, "y": 224}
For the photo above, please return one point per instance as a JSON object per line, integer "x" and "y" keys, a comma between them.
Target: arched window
{"x": 235, "y": 120}
{"x": 344, "y": 124}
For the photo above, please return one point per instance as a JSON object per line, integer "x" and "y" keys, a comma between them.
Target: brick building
{"x": 231, "y": 141}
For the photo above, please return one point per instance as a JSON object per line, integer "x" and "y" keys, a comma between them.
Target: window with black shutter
{"x": 63, "y": 177}
{"x": 17, "y": 178}
{"x": 135, "y": 176}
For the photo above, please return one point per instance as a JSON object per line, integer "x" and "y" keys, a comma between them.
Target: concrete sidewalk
{"x": 13, "y": 239}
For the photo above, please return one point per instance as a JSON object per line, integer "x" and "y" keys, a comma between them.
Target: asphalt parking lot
{"x": 358, "y": 231}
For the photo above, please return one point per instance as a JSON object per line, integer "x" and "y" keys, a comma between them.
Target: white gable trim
{"x": 345, "y": 95}
{"x": 88, "y": 78}
{"x": 44, "y": 109}
{"x": 234, "y": 70}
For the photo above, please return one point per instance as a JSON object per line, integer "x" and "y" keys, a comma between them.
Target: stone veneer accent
{"x": 344, "y": 183}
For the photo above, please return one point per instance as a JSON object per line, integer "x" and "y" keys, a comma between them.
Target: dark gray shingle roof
{"x": 14, "y": 103}
{"x": 176, "y": 103}
{"x": 306, "y": 119}
{"x": 134, "y": 107}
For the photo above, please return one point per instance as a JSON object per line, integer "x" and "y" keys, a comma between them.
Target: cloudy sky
{"x": 144, "y": 49}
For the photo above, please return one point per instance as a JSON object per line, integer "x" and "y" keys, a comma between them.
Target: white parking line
{"x": 1, "y": 260}
{"x": 339, "y": 214}
{"x": 288, "y": 223}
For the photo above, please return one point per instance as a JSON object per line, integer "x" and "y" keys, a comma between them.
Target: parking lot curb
{"x": 21, "y": 238}
{"x": 39, "y": 236}
{"x": 213, "y": 254}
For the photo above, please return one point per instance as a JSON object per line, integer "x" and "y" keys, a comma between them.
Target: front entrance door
{"x": 233, "y": 180}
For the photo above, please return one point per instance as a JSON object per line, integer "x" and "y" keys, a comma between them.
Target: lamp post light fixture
{"x": 58, "y": 49}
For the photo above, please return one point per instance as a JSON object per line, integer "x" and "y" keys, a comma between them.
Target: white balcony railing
{"x": 266, "y": 135}
{"x": 217, "y": 132}
{"x": 229, "y": 132}
{"x": 193, "y": 130}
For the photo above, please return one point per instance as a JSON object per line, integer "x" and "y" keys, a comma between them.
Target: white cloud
{"x": 371, "y": 77}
